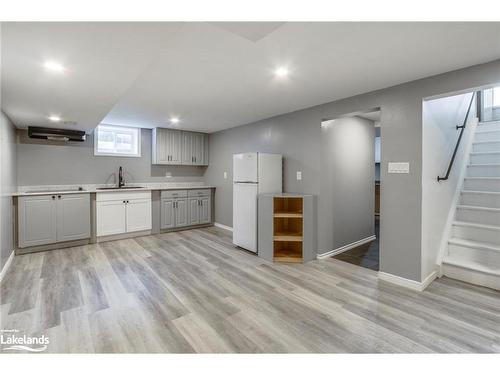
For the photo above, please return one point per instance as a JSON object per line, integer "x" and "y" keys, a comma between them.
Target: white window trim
{"x": 116, "y": 154}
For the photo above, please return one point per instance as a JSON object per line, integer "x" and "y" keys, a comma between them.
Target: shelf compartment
{"x": 288, "y": 229}
{"x": 288, "y": 205}
{"x": 288, "y": 252}
{"x": 294, "y": 215}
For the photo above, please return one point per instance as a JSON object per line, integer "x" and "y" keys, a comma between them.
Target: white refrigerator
{"x": 254, "y": 173}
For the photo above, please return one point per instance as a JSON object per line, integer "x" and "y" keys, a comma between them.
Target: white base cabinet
{"x": 47, "y": 219}
{"x": 123, "y": 212}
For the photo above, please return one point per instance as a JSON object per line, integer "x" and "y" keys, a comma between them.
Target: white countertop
{"x": 86, "y": 188}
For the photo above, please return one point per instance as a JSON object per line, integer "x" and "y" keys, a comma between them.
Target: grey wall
{"x": 347, "y": 180}
{"x": 297, "y": 136}
{"x": 7, "y": 185}
{"x": 44, "y": 163}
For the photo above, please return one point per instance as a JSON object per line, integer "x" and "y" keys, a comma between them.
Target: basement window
{"x": 112, "y": 140}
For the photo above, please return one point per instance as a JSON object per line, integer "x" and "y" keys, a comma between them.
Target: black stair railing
{"x": 462, "y": 129}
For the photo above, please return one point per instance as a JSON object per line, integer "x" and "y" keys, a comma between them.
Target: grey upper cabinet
{"x": 176, "y": 147}
{"x": 166, "y": 146}
{"x": 46, "y": 219}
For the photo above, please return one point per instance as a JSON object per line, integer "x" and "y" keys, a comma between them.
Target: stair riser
{"x": 471, "y": 276}
{"x": 483, "y": 171}
{"x": 486, "y": 147}
{"x": 470, "y": 254}
{"x": 477, "y": 234}
{"x": 482, "y": 185}
{"x": 487, "y": 136}
{"x": 479, "y": 216}
{"x": 488, "y": 126}
{"x": 485, "y": 159}
{"x": 481, "y": 200}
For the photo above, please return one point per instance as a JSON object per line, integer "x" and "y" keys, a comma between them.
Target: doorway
{"x": 367, "y": 255}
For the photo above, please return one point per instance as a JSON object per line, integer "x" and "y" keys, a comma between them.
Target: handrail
{"x": 462, "y": 128}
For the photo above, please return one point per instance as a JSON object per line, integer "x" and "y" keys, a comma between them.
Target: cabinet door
{"x": 167, "y": 216}
{"x": 187, "y": 147}
{"x": 73, "y": 217}
{"x": 181, "y": 212}
{"x": 111, "y": 218}
{"x": 198, "y": 148}
{"x": 175, "y": 143}
{"x": 37, "y": 220}
{"x": 138, "y": 214}
{"x": 160, "y": 146}
{"x": 205, "y": 210}
{"x": 194, "y": 211}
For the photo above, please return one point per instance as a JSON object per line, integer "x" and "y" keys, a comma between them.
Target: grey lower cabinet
{"x": 180, "y": 208}
{"x": 46, "y": 219}
{"x": 178, "y": 147}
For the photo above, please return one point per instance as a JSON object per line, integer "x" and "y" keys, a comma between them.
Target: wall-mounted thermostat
{"x": 398, "y": 167}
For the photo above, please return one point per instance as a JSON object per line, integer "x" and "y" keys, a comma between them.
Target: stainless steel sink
{"x": 120, "y": 188}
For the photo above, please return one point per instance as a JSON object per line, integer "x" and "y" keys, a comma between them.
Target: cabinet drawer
{"x": 122, "y": 195}
{"x": 199, "y": 192}
{"x": 174, "y": 194}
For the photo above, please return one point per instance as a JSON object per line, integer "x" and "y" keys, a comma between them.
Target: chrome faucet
{"x": 121, "y": 183}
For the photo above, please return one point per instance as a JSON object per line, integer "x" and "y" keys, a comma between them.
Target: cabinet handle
{"x": 195, "y": 159}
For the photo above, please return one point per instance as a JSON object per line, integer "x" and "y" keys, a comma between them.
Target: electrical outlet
{"x": 168, "y": 174}
{"x": 225, "y": 175}
{"x": 299, "y": 175}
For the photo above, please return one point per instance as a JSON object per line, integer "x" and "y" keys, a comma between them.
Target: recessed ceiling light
{"x": 281, "y": 72}
{"x": 174, "y": 120}
{"x": 54, "y": 118}
{"x": 54, "y": 66}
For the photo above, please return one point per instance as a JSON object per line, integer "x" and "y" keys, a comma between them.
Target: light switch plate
{"x": 299, "y": 175}
{"x": 398, "y": 167}
{"x": 225, "y": 175}
{"x": 168, "y": 174}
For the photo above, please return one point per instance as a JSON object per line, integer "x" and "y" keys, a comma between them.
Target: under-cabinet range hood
{"x": 51, "y": 134}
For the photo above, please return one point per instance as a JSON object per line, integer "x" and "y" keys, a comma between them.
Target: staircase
{"x": 473, "y": 251}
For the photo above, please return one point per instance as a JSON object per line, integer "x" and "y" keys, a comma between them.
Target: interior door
{"x": 245, "y": 167}
{"x": 245, "y": 216}
{"x": 138, "y": 215}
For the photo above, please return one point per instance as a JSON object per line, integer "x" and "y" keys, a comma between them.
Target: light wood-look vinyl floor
{"x": 193, "y": 292}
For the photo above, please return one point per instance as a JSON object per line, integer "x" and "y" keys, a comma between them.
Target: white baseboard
{"x": 222, "y": 226}
{"x": 407, "y": 283}
{"x": 341, "y": 249}
{"x": 6, "y": 266}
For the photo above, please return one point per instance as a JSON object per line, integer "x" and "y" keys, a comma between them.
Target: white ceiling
{"x": 218, "y": 75}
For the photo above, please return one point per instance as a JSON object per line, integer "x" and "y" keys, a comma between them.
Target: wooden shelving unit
{"x": 282, "y": 229}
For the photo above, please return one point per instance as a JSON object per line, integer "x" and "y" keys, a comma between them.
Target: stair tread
{"x": 485, "y": 165}
{"x": 474, "y": 244}
{"x": 482, "y": 178}
{"x": 472, "y": 265}
{"x": 479, "y": 208}
{"x": 485, "y": 153}
{"x": 480, "y": 192}
{"x": 475, "y": 225}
